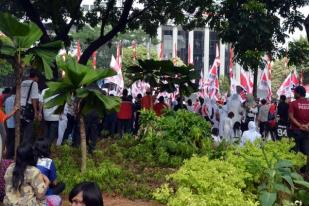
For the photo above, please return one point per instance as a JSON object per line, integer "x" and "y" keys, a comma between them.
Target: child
{"x": 47, "y": 167}
{"x": 215, "y": 136}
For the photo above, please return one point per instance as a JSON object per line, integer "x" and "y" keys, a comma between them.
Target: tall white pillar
{"x": 206, "y": 51}
{"x": 191, "y": 45}
{"x": 160, "y": 39}
{"x": 175, "y": 40}
{"x": 222, "y": 58}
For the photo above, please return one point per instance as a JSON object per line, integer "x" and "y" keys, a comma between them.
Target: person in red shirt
{"x": 159, "y": 107}
{"x": 125, "y": 114}
{"x": 299, "y": 116}
{"x": 147, "y": 101}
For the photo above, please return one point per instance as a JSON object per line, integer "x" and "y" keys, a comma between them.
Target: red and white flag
{"x": 161, "y": 51}
{"x": 213, "y": 81}
{"x": 231, "y": 63}
{"x": 175, "y": 51}
{"x": 264, "y": 83}
{"x": 294, "y": 79}
{"x": 285, "y": 88}
{"x": 244, "y": 80}
{"x": 189, "y": 54}
{"x": 94, "y": 59}
{"x": 134, "y": 50}
{"x": 78, "y": 50}
{"x": 116, "y": 65}
{"x": 290, "y": 82}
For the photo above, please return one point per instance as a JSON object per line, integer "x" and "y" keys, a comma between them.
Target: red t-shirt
{"x": 159, "y": 107}
{"x": 300, "y": 110}
{"x": 147, "y": 102}
{"x": 125, "y": 111}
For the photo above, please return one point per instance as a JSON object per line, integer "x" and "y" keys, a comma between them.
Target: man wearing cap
{"x": 299, "y": 116}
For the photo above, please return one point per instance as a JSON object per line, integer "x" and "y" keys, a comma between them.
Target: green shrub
{"x": 250, "y": 157}
{"x": 233, "y": 179}
{"x": 201, "y": 181}
{"x": 168, "y": 140}
{"x": 105, "y": 173}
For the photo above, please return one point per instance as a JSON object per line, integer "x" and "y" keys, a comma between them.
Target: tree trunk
{"x": 255, "y": 76}
{"x": 307, "y": 26}
{"x": 83, "y": 143}
{"x": 18, "y": 72}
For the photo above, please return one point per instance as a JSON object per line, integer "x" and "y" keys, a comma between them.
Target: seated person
{"x": 251, "y": 134}
{"x": 86, "y": 194}
{"x": 5, "y": 163}
{"x": 47, "y": 167}
{"x": 24, "y": 183}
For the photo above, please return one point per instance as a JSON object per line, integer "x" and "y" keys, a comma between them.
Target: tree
{"x": 224, "y": 84}
{"x": 165, "y": 76}
{"x": 19, "y": 48}
{"x": 88, "y": 34}
{"x": 298, "y": 54}
{"x": 78, "y": 83}
{"x": 253, "y": 27}
{"x": 127, "y": 61}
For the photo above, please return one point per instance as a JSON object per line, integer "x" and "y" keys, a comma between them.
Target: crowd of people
{"x": 32, "y": 177}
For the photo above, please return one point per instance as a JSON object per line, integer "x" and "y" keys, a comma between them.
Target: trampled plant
{"x": 77, "y": 85}
{"x": 20, "y": 47}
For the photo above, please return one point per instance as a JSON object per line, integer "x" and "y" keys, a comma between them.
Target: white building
{"x": 197, "y": 47}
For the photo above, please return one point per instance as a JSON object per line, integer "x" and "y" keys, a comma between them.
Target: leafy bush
{"x": 234, "y": 178}
{"x": 167, "y": 140}
{"x": 251, "y": 159}
{"x": 105, "y": 173}
{"x": 201, "y": 181}
{"x": 113, "y": 173}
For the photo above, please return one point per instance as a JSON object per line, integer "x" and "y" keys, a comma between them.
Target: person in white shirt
{"x": 9, "y": 105}
{"x": 51, "y": 119}
{"x": 30, "y": 91}
{"x": 228, "y": 127}
{"x": 223, "y": 115}
{"x": 190, "y": 106}
{"x": 250, "y": 135}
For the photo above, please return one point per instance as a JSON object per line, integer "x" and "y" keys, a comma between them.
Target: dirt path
{"x": 119, "y": 201}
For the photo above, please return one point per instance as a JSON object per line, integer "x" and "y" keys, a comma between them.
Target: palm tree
{"x": 78, "y": 83}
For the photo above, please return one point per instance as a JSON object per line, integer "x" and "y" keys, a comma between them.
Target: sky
{"x": 296, "y": 35}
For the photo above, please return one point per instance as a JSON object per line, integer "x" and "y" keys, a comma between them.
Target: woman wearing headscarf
{"x": 251, "y": 134}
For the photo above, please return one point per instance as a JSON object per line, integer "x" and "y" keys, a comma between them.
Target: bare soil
{"x": 120, "y": 201}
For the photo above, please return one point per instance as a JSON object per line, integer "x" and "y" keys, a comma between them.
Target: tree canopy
{"x": 253, "y": 27}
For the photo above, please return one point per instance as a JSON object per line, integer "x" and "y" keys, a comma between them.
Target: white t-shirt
{"x": 49, "y": 113}
{"x": 34, "y": 93}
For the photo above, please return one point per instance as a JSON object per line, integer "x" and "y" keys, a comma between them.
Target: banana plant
{"x": 20, "y": 46}
{"x": 78, "y": 83}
